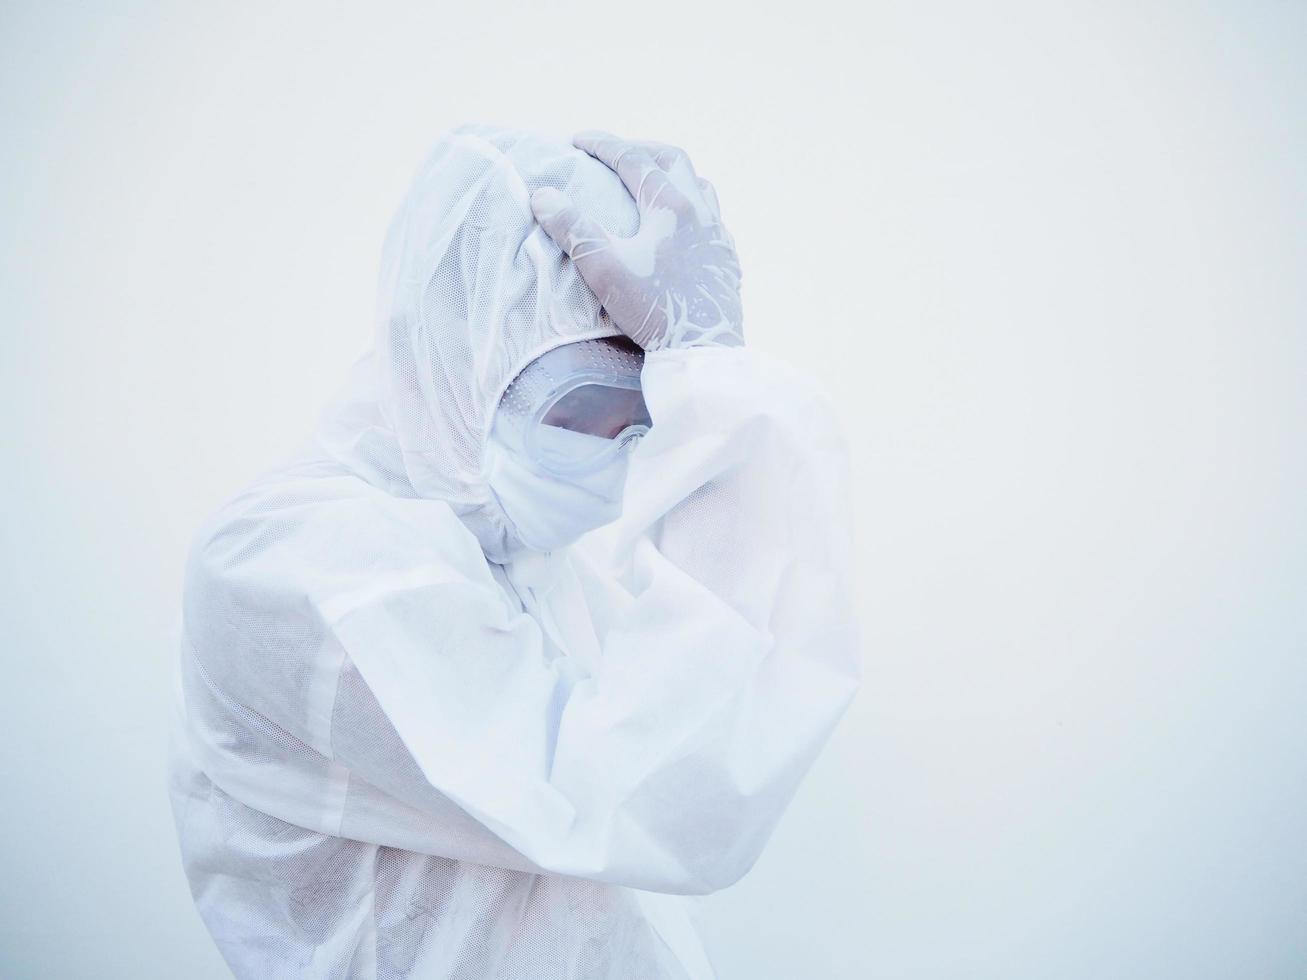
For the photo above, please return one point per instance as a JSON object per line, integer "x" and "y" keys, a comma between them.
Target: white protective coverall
{"x": 405, "y": 746}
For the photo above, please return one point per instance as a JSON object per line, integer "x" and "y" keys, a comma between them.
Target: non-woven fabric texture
{"x": 471, "y": 290}
{"x": 405, "y": 746}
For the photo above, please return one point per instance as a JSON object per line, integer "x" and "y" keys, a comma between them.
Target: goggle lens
{"x": 599, "y": 410}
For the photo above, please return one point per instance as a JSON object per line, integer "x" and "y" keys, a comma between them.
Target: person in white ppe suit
{"x": 536, "y": 638}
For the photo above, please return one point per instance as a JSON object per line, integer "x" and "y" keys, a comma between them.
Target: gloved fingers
{"x": 710, "y": 195}
{"x": 646, "y": 181}
{"x": 666, "y": 155}
{"x": 676, "y": 163}
{"x": 577, "y": 235}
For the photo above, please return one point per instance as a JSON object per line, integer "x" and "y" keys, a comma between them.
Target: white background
{"x": 1048, "y": 259}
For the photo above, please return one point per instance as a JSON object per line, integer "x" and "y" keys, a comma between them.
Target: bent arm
{"x": 721, "y": 606}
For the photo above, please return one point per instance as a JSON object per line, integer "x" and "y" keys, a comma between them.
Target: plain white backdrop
{"x": 1049, "y": 260}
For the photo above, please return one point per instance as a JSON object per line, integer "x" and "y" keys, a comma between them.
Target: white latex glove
{"x": 676, "y": 283}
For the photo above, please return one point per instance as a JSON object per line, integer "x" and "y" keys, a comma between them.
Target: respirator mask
{"x": 561, "y": 439}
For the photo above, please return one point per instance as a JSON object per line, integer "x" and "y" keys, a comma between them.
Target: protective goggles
{"x": 577, "y": 407}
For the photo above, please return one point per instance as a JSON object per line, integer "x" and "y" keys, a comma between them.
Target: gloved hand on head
{"x": 676, "y": 282}
{"x": 558, "y": 450}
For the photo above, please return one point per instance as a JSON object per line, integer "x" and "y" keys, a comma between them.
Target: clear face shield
{"x": 561, "y": 439}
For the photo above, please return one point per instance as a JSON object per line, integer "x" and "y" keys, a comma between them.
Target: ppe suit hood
{"x": 471, "y": 290}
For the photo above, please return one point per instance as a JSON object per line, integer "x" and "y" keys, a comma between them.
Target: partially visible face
{"x": 602, "y": 410}
{"x": 561, "y": 438}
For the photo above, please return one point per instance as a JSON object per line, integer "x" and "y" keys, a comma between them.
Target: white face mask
{"x": 561, "y": 437}
{"x": 550, "y": 510}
